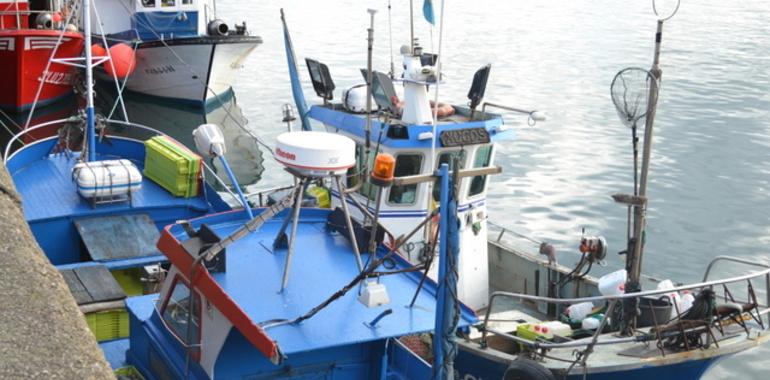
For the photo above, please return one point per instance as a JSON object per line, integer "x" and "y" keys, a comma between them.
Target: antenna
{"x": 308, "y": 156}
{"x": 390, "y": 34}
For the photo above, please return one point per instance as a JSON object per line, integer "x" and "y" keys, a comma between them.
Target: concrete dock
{"x": 43, "y": 334}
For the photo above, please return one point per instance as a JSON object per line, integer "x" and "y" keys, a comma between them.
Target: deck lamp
{"x": 384, "y": 170}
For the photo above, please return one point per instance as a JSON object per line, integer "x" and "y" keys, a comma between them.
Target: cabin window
{"x": 406, "y": 164}
{"x": 354, "y": 174}
{"x": 446, "y": 158}
{"x": 167, "y": 3}
{"x": 176, "y": 313}
{"x": 187, "y": 2}
{"x": 483, "y": 158}
{"x": 148, "y": 3}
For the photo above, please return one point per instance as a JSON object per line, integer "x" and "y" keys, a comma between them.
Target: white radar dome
{"x": 315, "y": 154}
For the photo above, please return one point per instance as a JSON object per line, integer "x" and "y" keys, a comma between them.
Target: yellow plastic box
{"x": 172, "y": 166}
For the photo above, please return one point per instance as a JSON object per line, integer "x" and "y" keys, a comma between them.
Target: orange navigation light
{"x": 384, "y": 169}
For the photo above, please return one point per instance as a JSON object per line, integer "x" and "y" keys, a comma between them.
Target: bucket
{"x": 661, "y": 306}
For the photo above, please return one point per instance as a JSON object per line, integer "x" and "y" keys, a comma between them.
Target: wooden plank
{"x": 118, "y": 237}
{"x": 99, "y": 283}
{"x": 76, "y": 287}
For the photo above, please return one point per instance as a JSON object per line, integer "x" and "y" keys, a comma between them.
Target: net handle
{"x": 676, "y": 9}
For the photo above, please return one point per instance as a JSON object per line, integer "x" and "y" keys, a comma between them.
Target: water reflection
{"x": 173, "y": 119}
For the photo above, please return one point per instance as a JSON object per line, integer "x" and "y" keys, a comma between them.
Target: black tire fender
{"x": 526, "y": 369}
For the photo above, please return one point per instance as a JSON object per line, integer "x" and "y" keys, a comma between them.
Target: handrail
{"x": 733, "y": 259}
{"x": 261, "y": 193}
{"x": 504, "y": 230}
{"x": 533, "y": 116}
{"x": 741, "y": 261}
{"x": 33, "y": 128}
{"x": 111, "y": 121}
{"x": 631, "y": 295}
{"x": 615, "y": 298}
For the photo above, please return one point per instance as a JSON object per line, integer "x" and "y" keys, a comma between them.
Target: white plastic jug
{"x": 613, "y": 284}
{"x": 558, "y": 328}
{"x": 686, "y": 302}
{"x": 579, "y": 311}
{"x": 590, "y": 323}
{"x": 673, "y": 297}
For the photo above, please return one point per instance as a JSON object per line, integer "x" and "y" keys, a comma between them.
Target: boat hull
{"x": 190, "y": 70}
{"x": 473, "y": 366}
{"x": 24, "y": 55}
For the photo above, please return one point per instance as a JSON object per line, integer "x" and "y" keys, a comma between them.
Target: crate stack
{"x": 172, "y": 166}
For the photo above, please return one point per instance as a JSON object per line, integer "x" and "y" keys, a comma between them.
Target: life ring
{"x": 526, "y": 369}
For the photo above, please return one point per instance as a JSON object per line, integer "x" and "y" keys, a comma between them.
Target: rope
{"x": 119, "y": 100}
{"x": 189, "y": 67}
{"x": 47, "y": 67}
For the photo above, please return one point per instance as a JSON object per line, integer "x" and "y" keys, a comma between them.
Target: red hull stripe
{"x": 313, "y": 167}
{"x": 214, "y": 293}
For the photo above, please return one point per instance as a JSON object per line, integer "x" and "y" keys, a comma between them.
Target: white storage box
{"x": 110, "y": 178}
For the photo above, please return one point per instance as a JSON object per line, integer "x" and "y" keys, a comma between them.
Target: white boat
{"x": 183, "y": 51}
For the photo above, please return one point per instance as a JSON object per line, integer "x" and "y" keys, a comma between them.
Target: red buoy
{"x": 98, "y": 50}
{"x": 123, "y": 59}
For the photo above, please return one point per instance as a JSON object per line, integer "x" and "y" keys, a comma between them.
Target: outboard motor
{"x": 218, "y": 28}
{"x": 44, "y": 21}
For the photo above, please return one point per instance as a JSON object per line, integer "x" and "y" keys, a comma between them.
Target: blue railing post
{"x": 234, "y": 182}
{"x": 438, "y": 344}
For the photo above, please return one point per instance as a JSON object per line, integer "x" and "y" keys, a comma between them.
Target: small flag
{"x": 427, "y": 10}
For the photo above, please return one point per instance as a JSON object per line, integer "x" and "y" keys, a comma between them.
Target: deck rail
{"x": 74, "y": 119}
{"x": 614, "y": 299}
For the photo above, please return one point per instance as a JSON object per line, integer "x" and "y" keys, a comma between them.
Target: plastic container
{"x": 673, "y": 297}
{"x": 685, "y": 303}
{"x": 172, "y": 166}
{"x": 579, "y": 311}
{"x": 654, "y": 310}
{"x": 557, "y": 328}
{"x": 109, "y": 324}
{"x": 106, "y": 178}
{"x": 613, "y": 284}
{"x": 590, "y": 323}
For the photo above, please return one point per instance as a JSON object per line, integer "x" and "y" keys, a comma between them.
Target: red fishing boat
{"x": 29, "y": 39}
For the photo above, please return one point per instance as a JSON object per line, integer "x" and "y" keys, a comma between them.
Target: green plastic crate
{"x": 172, "y": 166}
{"x": 130, "y": 280}
{"x": 109, "y": 324}
{"x": 128, "y": 373}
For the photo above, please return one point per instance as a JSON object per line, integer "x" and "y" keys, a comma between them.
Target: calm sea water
{"x": 710, "y": 173}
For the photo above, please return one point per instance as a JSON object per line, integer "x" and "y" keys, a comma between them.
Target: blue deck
{"x": 322, "y": 264}
{"x": 51, "y": 202}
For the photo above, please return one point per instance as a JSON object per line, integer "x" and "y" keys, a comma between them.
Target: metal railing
{"x": 7, "y": 153}
{"x": 614, "y": 299}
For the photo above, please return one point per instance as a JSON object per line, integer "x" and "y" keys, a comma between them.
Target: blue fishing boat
{"x": 96, "y": 199}
{"x": 532, "y": 327}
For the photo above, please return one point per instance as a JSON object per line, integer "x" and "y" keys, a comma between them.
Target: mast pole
{"x": 370, "y": 43}
{"x": 411, "y": 26}
{"x": 634, "y": 261}
{"x": 90, "y": 128}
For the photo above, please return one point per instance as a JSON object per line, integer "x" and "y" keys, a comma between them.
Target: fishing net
{"x": 630, "y": 91}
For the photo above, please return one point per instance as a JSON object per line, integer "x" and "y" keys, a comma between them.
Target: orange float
{"x": 123, "y": 61}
